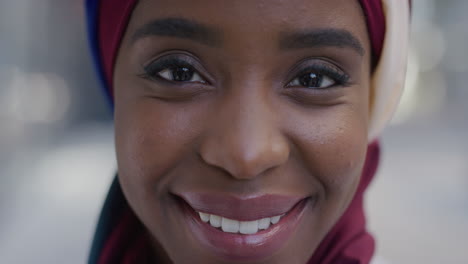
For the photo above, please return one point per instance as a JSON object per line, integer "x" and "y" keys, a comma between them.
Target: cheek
{"x": 342, "y": 158}
{"x": 150, "y": 141}
{"x": 333, "y": 144}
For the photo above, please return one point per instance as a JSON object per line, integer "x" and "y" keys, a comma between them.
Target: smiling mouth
{"x": 237, "y": 229}
{"x": 235, "y": 226}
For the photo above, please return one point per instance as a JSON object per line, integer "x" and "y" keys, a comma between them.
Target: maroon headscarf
{"x": 347, "y": 243}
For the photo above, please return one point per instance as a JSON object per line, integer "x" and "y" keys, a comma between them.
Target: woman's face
{"x": 243, "y": 111}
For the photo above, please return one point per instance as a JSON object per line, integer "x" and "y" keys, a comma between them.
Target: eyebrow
{"x": 321, "y": 38}
{"x": 180, "y": 28}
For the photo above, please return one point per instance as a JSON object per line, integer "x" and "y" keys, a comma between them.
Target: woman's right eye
{"x": 180, "y": 74}
{"x": 174, "y": 70}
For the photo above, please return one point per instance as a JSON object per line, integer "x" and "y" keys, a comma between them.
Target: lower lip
{"x": 239, "y": 247}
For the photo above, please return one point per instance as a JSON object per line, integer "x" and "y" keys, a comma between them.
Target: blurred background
{"x": 57, "y": 154}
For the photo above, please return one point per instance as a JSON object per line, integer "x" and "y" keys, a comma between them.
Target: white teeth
{"x": 235, "y": 226}
{"x": 248, "y": 227}
{"x": 229, "y": 225}
{"x": 275, "y": 219}
{"x": 204, "y": 217}
{"x": 215, "y": 221}
{"x": 264, "y": 223}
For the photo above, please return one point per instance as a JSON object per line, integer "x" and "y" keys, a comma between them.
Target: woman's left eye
{"x": 313, "y": 80}
{"x": 180, "y": 74}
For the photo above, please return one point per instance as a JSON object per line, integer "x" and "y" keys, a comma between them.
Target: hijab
{"x": 121, "y": 238}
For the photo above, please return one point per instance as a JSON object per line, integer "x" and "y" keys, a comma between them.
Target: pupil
{"x": 311, "y": 80}
{"x": 182, "y": 74}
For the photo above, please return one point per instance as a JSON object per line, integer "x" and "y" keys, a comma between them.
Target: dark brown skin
{"x": 245, "y": 127}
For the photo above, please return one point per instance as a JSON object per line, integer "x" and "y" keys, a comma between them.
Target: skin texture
{"x": 244, "y": 129}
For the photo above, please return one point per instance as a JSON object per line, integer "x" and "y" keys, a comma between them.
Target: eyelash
{"x": 152, "y": 70}
{"x": 338, "y": 76}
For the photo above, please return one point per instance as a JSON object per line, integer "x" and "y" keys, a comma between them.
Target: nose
{"x": 244, "y": 138}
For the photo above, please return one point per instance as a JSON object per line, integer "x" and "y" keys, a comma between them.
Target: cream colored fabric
{"x": 389, "y": 77}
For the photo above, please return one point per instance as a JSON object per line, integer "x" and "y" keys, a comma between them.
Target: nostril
{"x": 248, "y": 161}
{"x": 213, "y": 161}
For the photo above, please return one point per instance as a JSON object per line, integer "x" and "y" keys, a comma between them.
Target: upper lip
{"x": 242, "y": 208}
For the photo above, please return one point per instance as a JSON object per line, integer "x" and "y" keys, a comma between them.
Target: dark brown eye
{"x": 312, "y": 80}
{"x": 180, "y": 74}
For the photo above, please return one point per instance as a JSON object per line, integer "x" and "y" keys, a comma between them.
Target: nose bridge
{"x": 244, "y": 138}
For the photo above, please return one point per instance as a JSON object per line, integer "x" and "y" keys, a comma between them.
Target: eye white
{"x": 166, "y": 74}
{"x": 326, "y": 82}
{"x": 197, "y": 78}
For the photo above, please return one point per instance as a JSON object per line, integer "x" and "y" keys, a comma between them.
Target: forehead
{"x": 257, "y": 17}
